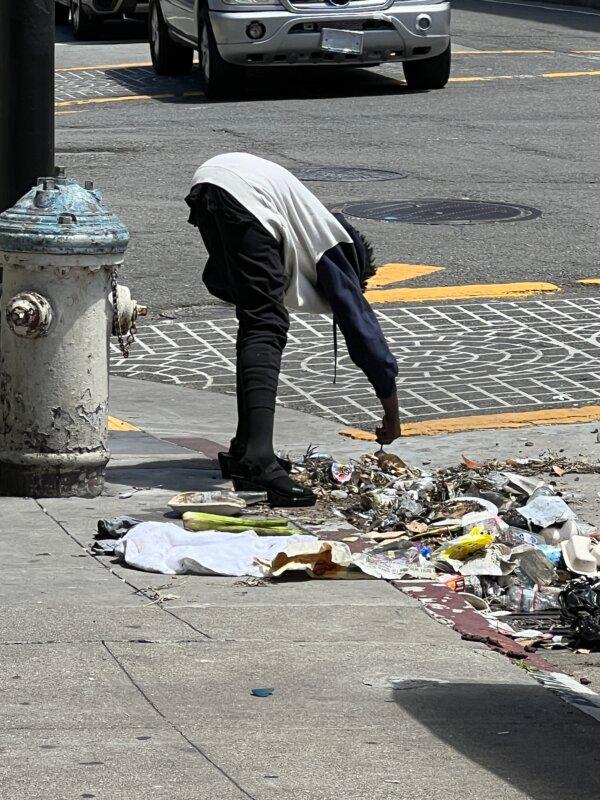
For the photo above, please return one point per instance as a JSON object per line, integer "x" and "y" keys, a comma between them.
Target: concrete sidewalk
{"x": 108, "y": 693}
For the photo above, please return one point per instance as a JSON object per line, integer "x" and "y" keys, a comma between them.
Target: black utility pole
{"x": 26, "y": 96}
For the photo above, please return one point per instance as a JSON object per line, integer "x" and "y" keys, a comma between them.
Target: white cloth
{"x": 166, "y": 548}
{"x": 289, "y": 212}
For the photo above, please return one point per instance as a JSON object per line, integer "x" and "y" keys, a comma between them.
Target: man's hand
{"x": 390, "y": 425}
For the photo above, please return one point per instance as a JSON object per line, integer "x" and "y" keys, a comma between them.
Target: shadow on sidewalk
{"x": 178, "y": 475}
{"x": 525, "y": 735}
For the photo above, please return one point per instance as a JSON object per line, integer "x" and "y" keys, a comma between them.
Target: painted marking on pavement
{"x": 115, "y": 424}
{"x": 104, "y": 66}
{"x": 479, "y": 422}
{"x": 390, "y": 274}
{"x": 460, "y": 292}
{"x": 489, "y": 78}
{"x": 95, "y": 101}
{"x": 101, "y": 100}
{"x": 458, "y": 52}
{"x": 394, "y": 273}
{"x": 502, "y": 52}
{"x": 587, "y": 73}
{"x": 589, "y": 281}
{"x": 486, "y": 78}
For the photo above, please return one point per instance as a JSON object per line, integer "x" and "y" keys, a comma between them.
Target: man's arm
{"x": 362, "y": 333}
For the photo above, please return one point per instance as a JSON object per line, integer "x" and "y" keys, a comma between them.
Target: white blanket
{"x": 166, "y": 548}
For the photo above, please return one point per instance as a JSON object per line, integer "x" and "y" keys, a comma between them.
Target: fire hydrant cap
{"x": 60, "y": 216}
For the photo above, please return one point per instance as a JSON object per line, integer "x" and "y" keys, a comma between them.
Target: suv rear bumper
{"x": 390, "y": 35}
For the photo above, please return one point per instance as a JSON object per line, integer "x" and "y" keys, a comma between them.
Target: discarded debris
{"x": 496, "y": 531}
{"x": 580, "y": 606}
{"x": 500, "y": 533}
{"x": 264, "y": 526}
{"x": 222, "y": 502}
{"x": 267, "y": 692}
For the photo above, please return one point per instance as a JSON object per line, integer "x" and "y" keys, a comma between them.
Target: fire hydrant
{"x": 60, "y": 249}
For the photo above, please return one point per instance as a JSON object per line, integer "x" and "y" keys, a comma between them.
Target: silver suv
{"x": 233, "y": 34}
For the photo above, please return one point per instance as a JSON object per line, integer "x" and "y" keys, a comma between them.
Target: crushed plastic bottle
{"x": 523, "y": 598}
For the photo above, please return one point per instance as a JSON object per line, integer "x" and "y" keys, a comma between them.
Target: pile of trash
{"x": 496, "y": 531}
{"x": 500, "y": 533}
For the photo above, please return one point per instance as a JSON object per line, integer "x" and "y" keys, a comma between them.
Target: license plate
{"x": 337, "y": 41}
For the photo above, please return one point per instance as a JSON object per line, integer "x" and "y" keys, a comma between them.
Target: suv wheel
{"x": 61, "y": 15}
{"x": 168, "y": 57}
{"x": 84, "y": 26}
{"x": 220, "y": 80}
{"x": 428, "y": 73}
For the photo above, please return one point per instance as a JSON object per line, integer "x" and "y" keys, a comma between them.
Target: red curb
{"x": 445, "y": 605}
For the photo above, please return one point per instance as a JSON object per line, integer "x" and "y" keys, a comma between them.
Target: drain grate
{"x": 431, "y": 211}
{"x": 316, "y": 172}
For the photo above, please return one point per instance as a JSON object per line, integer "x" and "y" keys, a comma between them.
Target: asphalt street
{"x": 515, "y": 137}
{"x": 517, "y": 126}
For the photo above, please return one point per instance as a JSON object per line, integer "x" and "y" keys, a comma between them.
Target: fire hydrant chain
{"x": 124, "y": 342}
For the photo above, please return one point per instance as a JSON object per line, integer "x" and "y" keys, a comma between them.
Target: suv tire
{"x": 428, "y": 73}
{"x": 61, "y": 14}
{"x": 168, "y": 57}
{"x": 84, "y": 26}
{"x": 220, "y": 80}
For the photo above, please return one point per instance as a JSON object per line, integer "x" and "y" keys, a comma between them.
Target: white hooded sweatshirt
{"x": 288, "y": 211}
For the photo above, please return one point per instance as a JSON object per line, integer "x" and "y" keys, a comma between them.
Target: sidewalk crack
{"x": 172, "y": 725}
{"x": 108, "y": 567}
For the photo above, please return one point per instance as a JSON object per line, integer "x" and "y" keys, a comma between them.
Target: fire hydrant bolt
{"x": 29, "y": 314}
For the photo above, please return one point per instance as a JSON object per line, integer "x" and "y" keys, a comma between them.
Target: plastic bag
{"x": 461, "y": 548}
{"x": 528, "y": 599}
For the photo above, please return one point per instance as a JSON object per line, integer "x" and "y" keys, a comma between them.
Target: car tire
{"x": 220, "y": 80}
{"x": 168, "y": 57}
{"x": 428, "y": 73}
{"x": 61, "y": 14}
{"x": 84, "y": 26}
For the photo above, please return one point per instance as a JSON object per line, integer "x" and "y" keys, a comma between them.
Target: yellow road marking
{"x": 115, "y": 424}
{"x": 104, "y": 66}
{"x": 589, "y": 281}
{"x": 510, "y": 419}
{"x": 101, "y": 100}
{"x": 389, "y": 274}
{"x": 459, "y": 79}
{"x": 582, "y": 74}
{"x": 500, "y": 52}
{"x": 462, "y": 292}
{"x": 139, "y": 64}
{"x": 487, "y": 78}
{"x": 394, "y": 273}
{"x": 483, "y": 78}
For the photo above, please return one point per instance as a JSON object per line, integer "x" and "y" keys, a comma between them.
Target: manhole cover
{"x": 314, "y": 172}
{"x": 441, "y": 212}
